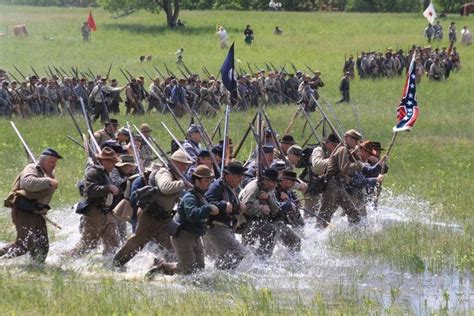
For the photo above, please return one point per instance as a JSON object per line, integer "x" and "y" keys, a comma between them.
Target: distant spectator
{"x": 466, "y": 36}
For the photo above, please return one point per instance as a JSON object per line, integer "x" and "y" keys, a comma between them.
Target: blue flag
{"x": 228, "y": 74}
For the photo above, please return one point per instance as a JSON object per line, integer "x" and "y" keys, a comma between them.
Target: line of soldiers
{"x": 393, "y": 63}
{"x": 43, "y": 96}
{"x": 192, "y": 217}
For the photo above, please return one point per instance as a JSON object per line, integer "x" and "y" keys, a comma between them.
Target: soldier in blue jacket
{"x": 220, "y": 241}
{"x": 193, "y": 213}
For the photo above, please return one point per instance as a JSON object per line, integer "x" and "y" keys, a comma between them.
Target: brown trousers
{"x": 31, "y": 236}
{"x": 267, "y": 234}
{"x": 148, "y": 228}
{"x": 190, "y": 252}
{"x": 220, "y": 242}
{"x": 311, "y": 203}
{"x": 97, "y": 226}
{"x": 334, "y": 196}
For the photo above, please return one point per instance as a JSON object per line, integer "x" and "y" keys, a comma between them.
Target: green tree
{"x": 126, "y": 7}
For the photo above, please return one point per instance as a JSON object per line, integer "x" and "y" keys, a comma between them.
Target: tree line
{"x": 449, "y": 6}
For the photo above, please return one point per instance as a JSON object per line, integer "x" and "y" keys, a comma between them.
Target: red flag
{"x": 91, "y": 22}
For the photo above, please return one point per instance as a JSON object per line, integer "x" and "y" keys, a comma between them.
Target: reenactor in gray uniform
{"x": 146, "y": 154}
{"x": 52, "y": 103}
{"x": 98, "y": 223}
{"x": 319, "y": 161}
{"x": 66, "y": 93}
{"x": 191, "y": 144}
{"x": 262, "y": 208}
{"x": 154, "y": 217}
{"x": 340, "y": 169}
{"x": 156, "y": 96}
{"x": 29, "y": 200}
{"x": 5, "y": 100}
{"x": 18, "y": 106}
{"x": 107, "y": 133}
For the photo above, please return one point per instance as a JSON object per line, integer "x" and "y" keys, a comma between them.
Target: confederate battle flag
{"x": 407, "y": 111}
{"x": 91, "y": 22}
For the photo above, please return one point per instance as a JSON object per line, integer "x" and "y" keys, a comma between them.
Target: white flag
{"x": 430, "y": 13}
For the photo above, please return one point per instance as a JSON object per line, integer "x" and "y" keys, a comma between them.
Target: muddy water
{"x": 318, "y": 270}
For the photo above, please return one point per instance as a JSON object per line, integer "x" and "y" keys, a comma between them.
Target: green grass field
{"x": 433, "y": 163}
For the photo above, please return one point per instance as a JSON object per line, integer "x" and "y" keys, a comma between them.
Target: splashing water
{"x": 318, "y": 269}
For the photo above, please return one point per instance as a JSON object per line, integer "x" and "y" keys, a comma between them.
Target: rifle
{"x": 75, "y": 141}
{"x": 50, "y": 71}
{"x": 216, "y": 129}
{"x": 331, "y": 109}
{"x": 207, "y": 71}
{"x": 309, "y": 68}
{"x": 268, "y": 67}
{"x": 108, "y": 71}
{"x": 274, "y": 68}
{"x": 18, "y": 70}
{"x": 33, "y": 159}
{"x": 186, "y": 68}
{"x": 379, "y": 186}
{"x": 177, "y": 142}
{"x": 75, "y": 71}
{"x": 129, "y": 73}
{"x": 204, "y": 133}
{"x": 58, "y": 72}
{"x": 245, "y": 136}
{"x": 206, "y": 137}
{"x": 146, "y": 73}
{"x": 64, "y": 71}
{"x": 275, "y": 140}
{"x": 136, "y": 156}
{"x": 168, "y": 163}
{"x": 250, "y": 68}
{"x": 176, "y": 119}
{"x": 292, "y": 121}
{"x": 259, "y": 145}
{"x": 313, "y": 130}
{"x": 321, "y": 121}
{"x": 13, "y": 76}
{"x": 91, "y": 73}
{"x": 159, "y": 72}
{"x": 125, "y": 75}
{"x": 225, "y": 145}
{"x": 170, "y": 73}
{"x": 294, "y": 68}
{"x": 182, "y": 72}
{"x": 34, "y": 71}
{"x": 326, "y": 117}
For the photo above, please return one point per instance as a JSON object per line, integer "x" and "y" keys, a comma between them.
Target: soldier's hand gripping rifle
{"x": 32, "y": 158}
{"x": 168, "y": 163}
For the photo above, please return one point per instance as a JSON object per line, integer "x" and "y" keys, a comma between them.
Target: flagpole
{"x": 379, "y": 185}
